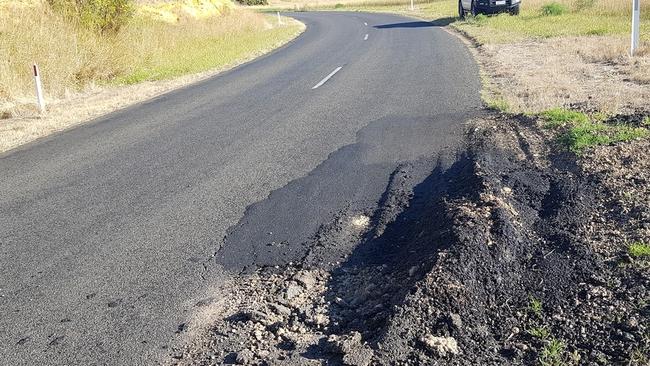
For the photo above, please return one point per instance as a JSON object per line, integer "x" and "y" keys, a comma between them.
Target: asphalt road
{"x": 107, "y": 230}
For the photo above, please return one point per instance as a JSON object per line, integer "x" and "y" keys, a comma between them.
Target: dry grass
{"x": 569, "y": 72}
{"x": 72, "y": 59}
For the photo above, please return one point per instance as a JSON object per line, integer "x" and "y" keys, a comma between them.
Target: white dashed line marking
{"x": 365, "y": 38}
{"x": 320, "y": 83}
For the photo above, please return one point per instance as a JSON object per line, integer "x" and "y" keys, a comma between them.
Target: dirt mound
{"x": 516, "y": 254}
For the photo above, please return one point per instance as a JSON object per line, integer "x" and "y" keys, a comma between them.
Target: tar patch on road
{"x": 353, "y": 180}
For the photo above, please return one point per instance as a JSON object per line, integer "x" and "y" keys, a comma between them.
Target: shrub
{"x": 253, "y": 2}
{"x": 104, "y": 16}
{"x": 552, "y": 9}
{"x": 338, "y": 6}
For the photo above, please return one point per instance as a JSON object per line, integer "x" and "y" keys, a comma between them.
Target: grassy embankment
{"x": 575, "y": 17}
{"x": 603, "y": 25}
{"x": 160, "y": 41}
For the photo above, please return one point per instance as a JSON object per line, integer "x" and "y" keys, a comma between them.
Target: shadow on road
{"x": 419, "y": 24}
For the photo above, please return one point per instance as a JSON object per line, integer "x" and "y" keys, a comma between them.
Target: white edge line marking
{"x": 365, "y": 38}
{"x": 320, "y": 83}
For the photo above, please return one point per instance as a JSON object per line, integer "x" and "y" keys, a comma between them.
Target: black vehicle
{"x": 475, "y": 7}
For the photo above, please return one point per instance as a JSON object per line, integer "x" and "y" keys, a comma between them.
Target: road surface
{"x": 108, "y": 231}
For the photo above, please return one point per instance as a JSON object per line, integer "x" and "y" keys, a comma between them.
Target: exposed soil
{"x": 516, "y": 254}
{"x": 594, "y": 71}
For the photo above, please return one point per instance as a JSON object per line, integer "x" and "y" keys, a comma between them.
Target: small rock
{"x": 258, "y": 334}
{"x": 244, "y": 357}
{"x": 263, "y": 353}
{"x": 358, "y": 357}
{"x": 292, "y": 291}
{"x": 441, "y": 345}
{"x": 412, "y": 271}
{"x": 321, "y": 319}
{"x": 204, "y": 302}
{"x": 256, "y": 316}
{"x": 306, "y": 279}
{"x": 281, "y": 309}
{"x": 455, "y": 321}
{"x": 346, "y": 343}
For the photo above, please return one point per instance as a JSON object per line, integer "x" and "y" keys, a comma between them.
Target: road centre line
{"x": 320, "y": 83}
{"x": 364, "y": 23}
{"x": 365, "y": 38}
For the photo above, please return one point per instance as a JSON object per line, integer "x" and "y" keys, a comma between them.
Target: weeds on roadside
{"x": 535, "y": 306}
{"x": 553, "y": 9}
{"x": 588, "y": 134}
{"x": 553, "y": 354}
{"x": 558, "y": 117}
{"x": 541, "y": 333}
{"x": 498, "y": 104}
{"x": 581, "y": 132}
{"x": 639, "y": 250}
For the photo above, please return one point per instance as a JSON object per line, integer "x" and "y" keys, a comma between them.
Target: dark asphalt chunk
{"x": 352, "y": 179}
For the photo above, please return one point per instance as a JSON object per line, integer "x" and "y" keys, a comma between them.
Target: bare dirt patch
{"x": 594, "y": 72}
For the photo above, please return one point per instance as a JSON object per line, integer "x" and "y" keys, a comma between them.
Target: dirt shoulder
{"x": 81, "y": 107}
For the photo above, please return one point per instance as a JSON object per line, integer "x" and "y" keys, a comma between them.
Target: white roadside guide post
{"x": 279, "y": 19}
{"x": 412, "y": 8}
{"x": 39, "y": 89}
{"x": 636, "y": 10}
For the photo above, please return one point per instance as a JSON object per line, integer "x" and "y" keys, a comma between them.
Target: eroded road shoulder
{"x": 505, "y": 254}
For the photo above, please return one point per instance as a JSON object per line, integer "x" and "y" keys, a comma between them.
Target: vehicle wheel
{"x": 473, "y": 10}
{"x": 461, "y": 11}
{"x": 515, "y": 10}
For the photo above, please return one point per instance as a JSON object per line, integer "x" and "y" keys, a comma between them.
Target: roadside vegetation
{"x": 578, "y": 131}
{"x": 538, "y": 18}
{"x": 113, "y": 42}
{"x": 639, "y": 250}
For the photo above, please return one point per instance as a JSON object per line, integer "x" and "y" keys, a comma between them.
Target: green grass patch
{"x": 498, "y": 104}
{"x": 539, "y": 332}
{"x": 553, "y": 9}
{"x": 578, "y": 18}
{"x": 639, "y": 250}
{"x": 553, "y": 354}
{"x": 558, "y": 117}
{"x": 535, "y": 306}
{"x": 583, "y": 135}
{"x": 586, "y": 135}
